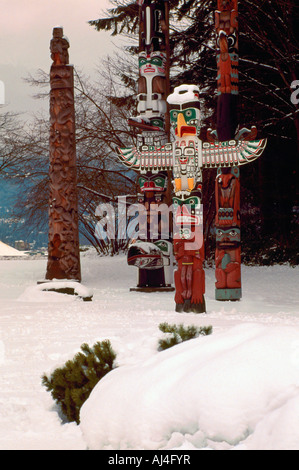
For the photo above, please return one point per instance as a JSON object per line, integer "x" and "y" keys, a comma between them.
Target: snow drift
{"x": 239, "y": 388}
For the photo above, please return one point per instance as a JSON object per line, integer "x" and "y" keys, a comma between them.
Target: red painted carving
{"x": 189, "y": 277}
{"x": 228, "y": 241}
{"x": 226, "y": 23}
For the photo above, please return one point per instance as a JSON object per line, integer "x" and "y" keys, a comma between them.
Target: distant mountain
{"x": 12, "y": 230}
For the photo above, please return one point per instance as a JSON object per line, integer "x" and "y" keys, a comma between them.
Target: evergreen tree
{"x": 71, "y": 385}
{"x": 176, "y": 334}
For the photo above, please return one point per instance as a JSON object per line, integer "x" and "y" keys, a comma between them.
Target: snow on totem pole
{"x": 187, "y": 162}
{"x": 63, "y": 249}
{"x": 150, "y": 253}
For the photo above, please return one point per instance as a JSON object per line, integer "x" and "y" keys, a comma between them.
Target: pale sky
{"x": 25, "y": 33}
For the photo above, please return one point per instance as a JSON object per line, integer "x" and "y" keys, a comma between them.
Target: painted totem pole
{"x": 227, "y": 186}
{"x": 151, "y": 254}
{"x": 188, "y": 242}
{"x": 63, "y": 249}
{"x": 186, "y": 157}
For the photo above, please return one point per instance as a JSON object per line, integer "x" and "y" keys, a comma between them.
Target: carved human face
{"x": 228, "y": 238}
{"x": 152, "y": 64}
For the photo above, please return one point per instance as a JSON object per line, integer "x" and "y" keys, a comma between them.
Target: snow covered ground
{"x": 235, "y": 389}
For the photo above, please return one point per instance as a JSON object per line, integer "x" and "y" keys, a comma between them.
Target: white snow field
{"x": 236, "y": 389}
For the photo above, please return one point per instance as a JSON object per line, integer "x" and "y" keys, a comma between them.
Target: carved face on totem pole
{"x": 189, "y": 253}
{"x": 152, "y": 187}
{"x": 224, "y": 5}
{"x": 188, "y": 235}
{"x": 185, "y": 120}
{"x": 228, "y": 235}
{"x": 228, "y": 238}
{"x": 188, "y": 218}
{"x": 151, "y": 87}
{"x": 228, "y": 197}
{"x": 184, "y": 110}
{"x": 228, "y": 262}
{"x": 152, "y": 190}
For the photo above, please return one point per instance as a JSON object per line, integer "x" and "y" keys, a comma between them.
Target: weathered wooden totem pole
{"x": 151, "y": 254}
{"x": 63, "y": 249}
{"x": 227, "y": 187}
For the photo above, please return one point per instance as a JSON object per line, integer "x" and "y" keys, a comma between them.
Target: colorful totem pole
{"x": 63, "y": 249}
{"x": 188, "y": 242}
{"x": 151, "y": 254}
{"x": 227, "y": 186}
{"x": 186, "y": 157}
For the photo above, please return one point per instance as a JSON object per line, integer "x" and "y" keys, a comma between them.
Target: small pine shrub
{"x": 72, "y": 384}
{"x": 179, "y": 333}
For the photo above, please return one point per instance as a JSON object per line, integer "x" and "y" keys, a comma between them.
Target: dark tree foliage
{"x": 71, "y": 385}
{"x": 178, "y": 333}
{"x": 268, "y": 65}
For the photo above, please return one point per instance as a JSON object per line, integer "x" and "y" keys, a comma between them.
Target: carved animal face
{"x": 187, "y": 212}
{"x": 224, "y": 5}
{"x": 184, "y": 109}
{"x": 154, "y": 183}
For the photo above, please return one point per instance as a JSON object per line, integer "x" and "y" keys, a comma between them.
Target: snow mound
{"x": 235, "y": 389}
{"x": 56, "y": 290}
{"x": 6, "y": 250}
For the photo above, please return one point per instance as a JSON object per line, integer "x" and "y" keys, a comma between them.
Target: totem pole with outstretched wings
{"x": 186, "y": 156}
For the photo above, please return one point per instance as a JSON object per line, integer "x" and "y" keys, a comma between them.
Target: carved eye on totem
{"x": 185, "y": 233}
{"x": 142, "y": 61}
{"x": 233, "y": 233}
{"x": 156, "y": 122}
{"x": 156, "y": 61}
{"x": 189, "y": 151}
{"x": 231, "y": 41}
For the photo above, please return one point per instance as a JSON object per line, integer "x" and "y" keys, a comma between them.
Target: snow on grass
{"x": 234, "y": 389}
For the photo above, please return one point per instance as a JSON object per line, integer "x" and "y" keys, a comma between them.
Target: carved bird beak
{"x": 182, "y": 128}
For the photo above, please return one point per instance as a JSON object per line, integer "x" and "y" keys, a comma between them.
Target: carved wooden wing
{"x": 129, "y": 156}
{"x": 148, "y": 158}
{"x": 231, "y": 153}
{"x": 217, "y": 154}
